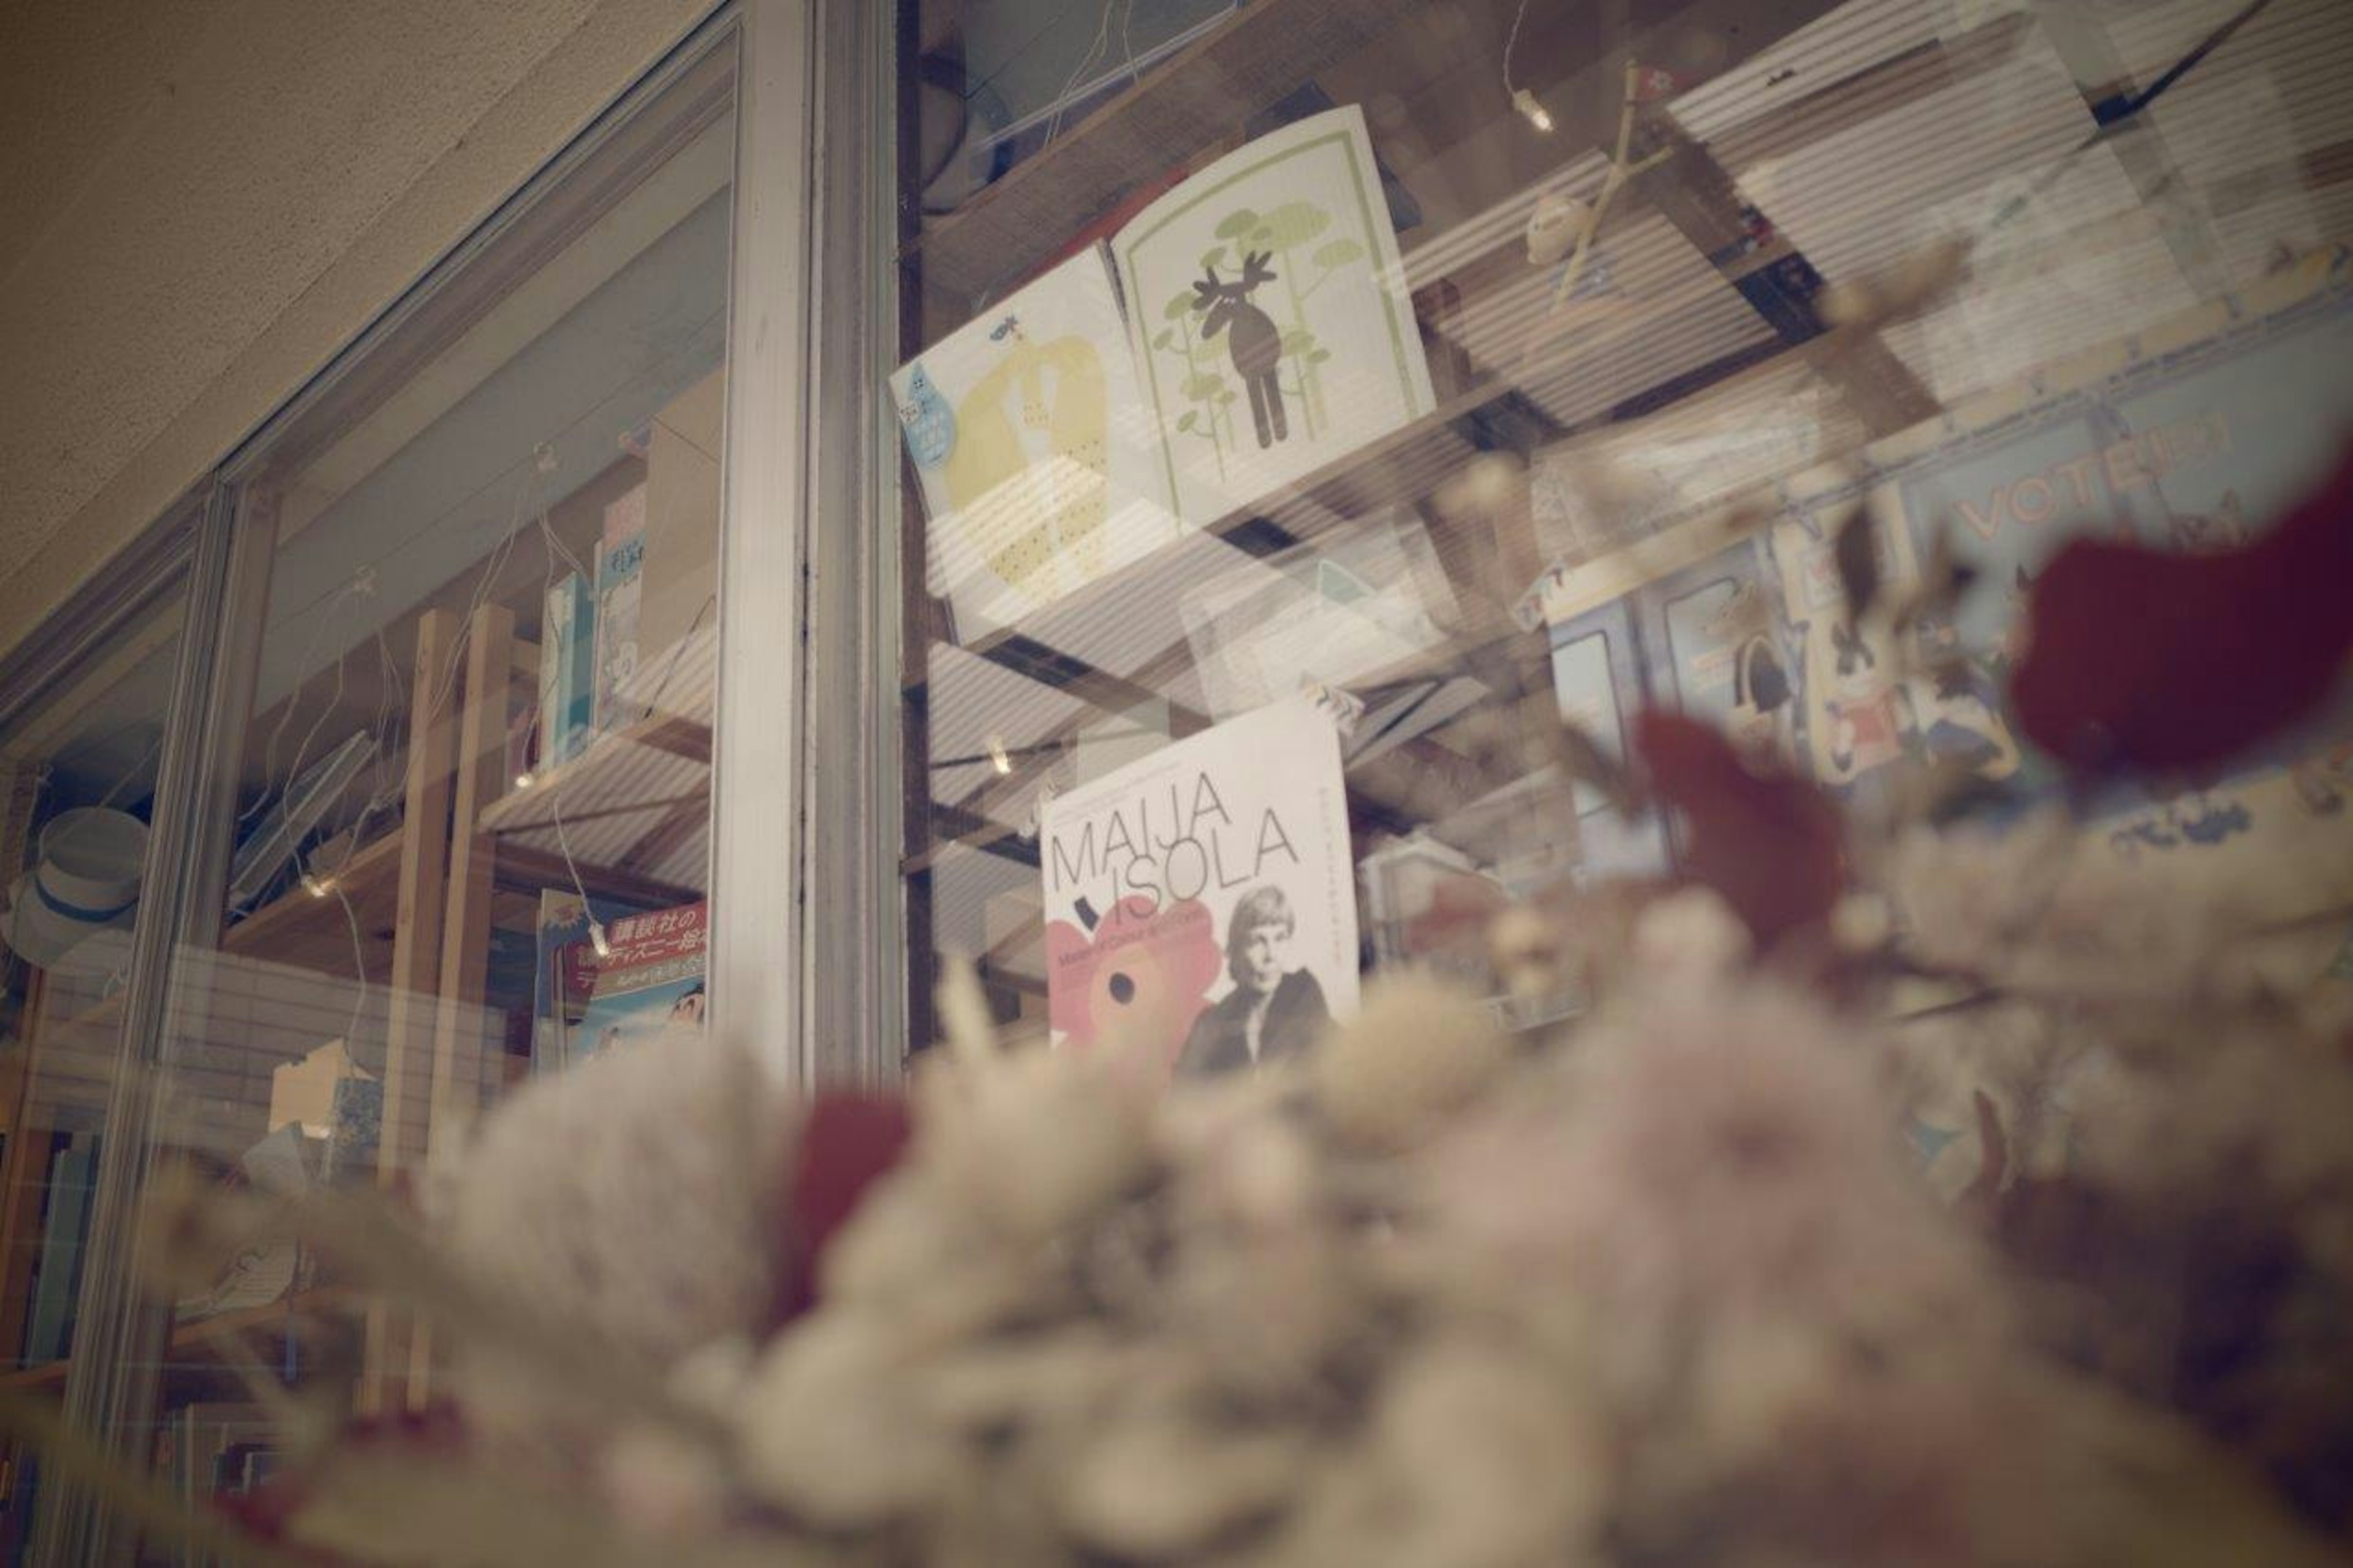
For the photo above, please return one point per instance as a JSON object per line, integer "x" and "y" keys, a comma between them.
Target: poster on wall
{"x": 1200, "y": 904}
{"x": 1720, "y": 649}
{"x": 2192, "y": 451}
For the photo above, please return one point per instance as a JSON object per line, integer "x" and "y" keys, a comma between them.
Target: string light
{"x": 1524, "y": 100}
{"x": 597, "y": 939}
{"x": 996, "y": 757}
{"x": 317, "y": 887}
{"x": 524, "y": 780}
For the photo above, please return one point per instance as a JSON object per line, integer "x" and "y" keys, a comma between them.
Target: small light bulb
{"x": 1536, "y": 114}
{"x": 996, "y": 757}
{"x": 523, "y": 780}
{"x": 315, "y": 887}
{"x": 598, "y": 940}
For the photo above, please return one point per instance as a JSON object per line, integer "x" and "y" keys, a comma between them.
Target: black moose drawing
{"x": 1254, "y": 341}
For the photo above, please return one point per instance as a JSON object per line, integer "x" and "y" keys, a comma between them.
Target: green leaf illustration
{"x": 1165, "y": 336}
{"x": 1338, "y": 253}
{"x": 1237, "y": 223}
{"x": 1207, "y": 384}
{"x": 1213, "y": 257}
{"x": 1178, "y": 306}
{"x": 1298, "y": 341}
{"x": 1293, "y": 224}
{"x": 1319, "y": 357}
{"x": 1187, "y": 420}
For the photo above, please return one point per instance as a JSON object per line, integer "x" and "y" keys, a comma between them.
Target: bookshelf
{"x": 421, "y": 897}
{"x": 196, "y": 1347}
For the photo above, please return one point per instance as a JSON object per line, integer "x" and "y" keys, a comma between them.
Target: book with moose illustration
{"x": 1246, "y": 329}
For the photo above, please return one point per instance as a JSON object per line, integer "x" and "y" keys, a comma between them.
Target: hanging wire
{"x": 1095, "y": 50}
{"x": 551, "y": 653}
{"x": 393, "y": 697}
{"x": 487, "y": 579}
{"x": 294, "y": 768}
{"x": 669, "y": 667}
{"x": 571, "y": 869}
{"x": 1511, "y": 42}
{"x": 363, "y": 582}
{"x": 359, "y": 963}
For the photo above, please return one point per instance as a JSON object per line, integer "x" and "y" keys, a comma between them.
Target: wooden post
{"x": 416, "y": 970}
{"x": 461, "y": 1032}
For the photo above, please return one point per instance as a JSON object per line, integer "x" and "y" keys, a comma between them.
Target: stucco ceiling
{"x": 201, "y": 200}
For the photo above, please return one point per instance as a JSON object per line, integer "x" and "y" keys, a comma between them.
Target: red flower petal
{"x": 1144, "y": 968}
{"x": 2139, "y": 658}
{"x": 849, "y": 1143}
{"x": 1772, "y": 846}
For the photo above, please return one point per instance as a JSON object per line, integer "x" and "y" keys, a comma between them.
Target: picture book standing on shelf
{"x": 620, "y": 584}
{"x": 1246, "y": 329}
{"x": 1267, "y": 302}
{"x": 565, "y": 981}
{"x": 649, "y": 979}
{"x": 1200, "y": 906}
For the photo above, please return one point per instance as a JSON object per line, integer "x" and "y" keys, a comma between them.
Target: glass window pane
{"x": 78, "y": 778}
{"x": 471, "y": 825}
{"x": 1457, "y": 368}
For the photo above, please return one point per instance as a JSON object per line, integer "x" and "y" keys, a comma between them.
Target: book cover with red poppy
{"x": 1200, "y": 902}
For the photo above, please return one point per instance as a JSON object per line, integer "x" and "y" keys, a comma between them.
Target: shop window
{"x": 79, "y": 778}
{"x": 1307, "y": 406}
{"x": 464, "y": 837}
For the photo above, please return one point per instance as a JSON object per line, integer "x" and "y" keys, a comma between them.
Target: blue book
{"x": 567, "y": 670}
{"x": 620, "y": 585}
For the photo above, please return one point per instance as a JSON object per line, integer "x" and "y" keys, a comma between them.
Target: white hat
{"x": 86, "y": 881}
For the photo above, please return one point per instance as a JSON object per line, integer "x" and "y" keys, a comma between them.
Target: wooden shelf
{"x": 604, "y": 769}
{"x": 1402, "y": 464}
{"x": 303, "y": 928}
{"x": 300, "y": 926}
{"x": 1253, "y": 60}
{"x": 531, "y": 869}
{"x": 197, "y": 1341}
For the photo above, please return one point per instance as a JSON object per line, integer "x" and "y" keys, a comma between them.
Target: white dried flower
{"x": 1154, "y": 1483}
{"x": 834, "y": 1429}
{"x": 636, "y": 1193}
{"x": 1689, "y": 937}
{"x": 1730, "y": 1150}
{"x": 1419, "y": 1049}
{"x": 1967, "y": 897}
{"x": 1039, "y": 1140}
{"x": 1471, "y": 1460}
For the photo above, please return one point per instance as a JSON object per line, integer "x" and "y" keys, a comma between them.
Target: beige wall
{"x": 202, "y": 200}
